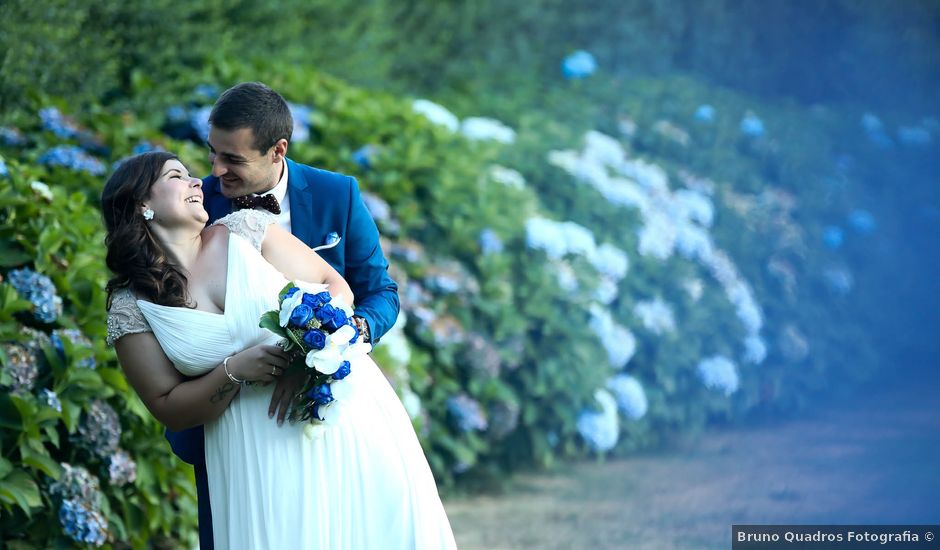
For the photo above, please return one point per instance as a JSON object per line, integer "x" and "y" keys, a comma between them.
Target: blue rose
{"x": 342, "y": 371}
{"x": 324, "y": 313}
{"x": 337, "y": 319}
{"x": 315, "y": 338}
{"x": 301, "y": 315}
{"x": 350, "y": 322}
{"x": 291, "y": 292}
{"x": 320, "y": 394}
{"x": 317, "y": 300}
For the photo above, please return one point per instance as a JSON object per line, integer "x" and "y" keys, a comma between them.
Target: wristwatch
{"x": 363, "y": 327}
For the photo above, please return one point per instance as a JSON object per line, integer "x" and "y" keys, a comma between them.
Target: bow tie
{"x": 268, "y": 202}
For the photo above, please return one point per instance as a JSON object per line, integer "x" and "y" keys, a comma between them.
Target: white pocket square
{"x": 332, "y": 240}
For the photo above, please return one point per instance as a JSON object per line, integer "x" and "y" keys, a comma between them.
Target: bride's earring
{"x": 148, "y": 214}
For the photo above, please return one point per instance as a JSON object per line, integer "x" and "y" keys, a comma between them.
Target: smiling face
{"x": 240, "y": 167}
{"x": 176, "y": 197}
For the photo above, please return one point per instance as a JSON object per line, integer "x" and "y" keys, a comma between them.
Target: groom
{"x": 250, "y": 133}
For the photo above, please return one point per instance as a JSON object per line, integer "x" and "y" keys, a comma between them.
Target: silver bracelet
{"x": 227, "y": 373}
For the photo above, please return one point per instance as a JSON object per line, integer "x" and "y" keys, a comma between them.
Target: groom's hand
{"x": 287, "y": 386}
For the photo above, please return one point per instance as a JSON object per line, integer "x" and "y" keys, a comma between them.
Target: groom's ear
{"x": 280, "y": 149}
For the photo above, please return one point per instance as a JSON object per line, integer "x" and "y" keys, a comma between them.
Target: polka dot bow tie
{"x": 268, "y": 202}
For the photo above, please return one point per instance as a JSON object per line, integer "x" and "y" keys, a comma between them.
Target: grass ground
{"x": 871, "y": 458}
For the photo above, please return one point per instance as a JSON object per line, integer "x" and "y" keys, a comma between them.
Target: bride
{"x": 184, "y": 306}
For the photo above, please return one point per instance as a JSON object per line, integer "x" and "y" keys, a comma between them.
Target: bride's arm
{"x": 179, "y": 402}
{"x": 299, "y": 263}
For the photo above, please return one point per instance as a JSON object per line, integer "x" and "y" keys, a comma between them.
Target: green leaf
{"x": 10, "y": 417}
{"x": 20, "y": 489}
{"x": 272, "y": 321}
{"x": 43, "y": 463}
{"x": 5, "y": 467}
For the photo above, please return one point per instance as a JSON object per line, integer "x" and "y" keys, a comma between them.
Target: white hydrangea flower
{"x": 606, "y": 291}
{"x": 603, "y": 149}
{"x": 544, "y": 234}
{"x": 631, "y": 399}
{"x": 41, "y": 189}
{"x": 480, "y": 128}
{"x": 719, "y": 373}
{"x": 695, "y": 288}
{"x": 656, "y": 316}
{"x": 695, "y": 206}
{"x": 618, "y": 341}
{"x": 755, "y": 350}
{"x": 657, "y": 237}
{"x": 611, "y": 261}
{"x": 693, "y": 242}
{"x": 436, "y": 114}
{"x": 579, "y": 239}
{"x": 600, "y": 430}
{"x": 625, "y": 192}
{"x": 566, "y": 277}
{"x": 507, "y": 177}
{"x": 567, "y": 160}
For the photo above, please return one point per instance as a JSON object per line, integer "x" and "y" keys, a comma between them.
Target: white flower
{"x": 600, "y": 430}
{"x": 340, "y": 339}
{"x": 719, "y": 373}
{"x": 625, "y": 192}
{"x": 326, "y": 360}
{"x": 480, "y": 128}
{"x": 657, "y": 236}
{"x": 314, "y": 431}
{"x": 436, "y": 114}
{"x": 288, "y": 305}
{"x": 606, "y": 291}
{"x": 693, "y": 242}
{"x": 631, "y": 399}
{"x": 695, "y": 288}
{"x": 695, "y": 206}
{"x": 42, "y": 189}
{"x": 578, "y": 239}
{"x": 603, "y": 149}
{"x": 618, "y": 341}
{"x": 546, "y": 235}
{"x": 567, "y": 160}
{"x": 611, "y": 261}
{"x": 656, "y": 316}
{"x": 755, "y": 350}
{"x": 507, "y": 177}
{"x": 566, "y": 277}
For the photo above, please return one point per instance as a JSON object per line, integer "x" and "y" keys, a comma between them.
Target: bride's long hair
{"x": 135, "y": 256}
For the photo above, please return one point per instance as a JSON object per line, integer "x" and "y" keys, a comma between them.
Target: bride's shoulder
{"x": 124, "y": 316}
{"x": 248, "y": 223}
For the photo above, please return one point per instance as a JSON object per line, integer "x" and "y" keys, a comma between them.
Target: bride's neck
{"x": 181, "y": 246}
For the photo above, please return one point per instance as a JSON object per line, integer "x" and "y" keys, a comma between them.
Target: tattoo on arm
{"x": 221, "y": 391}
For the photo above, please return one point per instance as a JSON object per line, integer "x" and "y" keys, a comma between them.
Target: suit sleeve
{"x": 367, "y": 269}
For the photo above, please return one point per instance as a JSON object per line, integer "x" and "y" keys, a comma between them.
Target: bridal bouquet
{"x": 317, "y": 331}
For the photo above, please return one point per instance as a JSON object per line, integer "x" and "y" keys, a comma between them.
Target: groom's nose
{"x": 218, "y": 167}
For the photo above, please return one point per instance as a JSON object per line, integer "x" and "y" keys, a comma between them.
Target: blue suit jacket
{"x": 321, "y": 203}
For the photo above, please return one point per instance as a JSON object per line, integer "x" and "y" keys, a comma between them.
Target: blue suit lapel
{"x": 301, "y": 204}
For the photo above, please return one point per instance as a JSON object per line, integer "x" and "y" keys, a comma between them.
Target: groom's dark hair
{"x": 254, "y": 105}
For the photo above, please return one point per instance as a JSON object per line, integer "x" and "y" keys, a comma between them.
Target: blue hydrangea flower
{"x": 177, "y": 114}
{"x": 600, "y": 429}
{"x": 480, "y": 357}
{"x": 121, "y": 468}
{"x": 206, "y": 92}
{"x": 4, "y": 171}
{"x": 364, "y": 156}
{"x": 83, "y": 523}
{"x": 76, "y": 483}
{"x": 490, "y": 243}
{"x": 833, "y": 236}
{"x": 719, "y": 373}
{"x": 199, "y": 121}
{"x": 580, "y": 64}
{"x": 73, "y": 158}
{"x": 12, "y": 137}
{"x": 38, "y": 289}
{"x": 377, "y": 207}
{"x": 54, "y": 121}
{"x": 301, "y": 115}
{"x": 50, "y": 398}
{"x": 21, "y": 367}
{"x": 145, "y": 147}
{"x": 839, "y": 280}
{"x": 862, "y": 221}
{"x": 752, "y": 126}
{"x": 503, "y": 418}
{"x": 466, "y": 413}
{"x": 77, "y": 340}
{"x": 100, "y": 429}
{"x": 631, "y": 399}
{"x": 705, "y": 113}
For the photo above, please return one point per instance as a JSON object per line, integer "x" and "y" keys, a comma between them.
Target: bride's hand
{"x": 284, "y": 391}
{"x": 261, "y": 363}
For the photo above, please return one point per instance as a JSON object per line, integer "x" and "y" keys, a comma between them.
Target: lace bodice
{"x": 250, "y": 224}
{"x": 125, "y": 316}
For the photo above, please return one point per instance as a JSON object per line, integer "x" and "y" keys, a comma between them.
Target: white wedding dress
{"x": 365, "y": 484}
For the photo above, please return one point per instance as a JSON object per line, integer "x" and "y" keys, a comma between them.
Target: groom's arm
{"x": 366, "y": 270}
